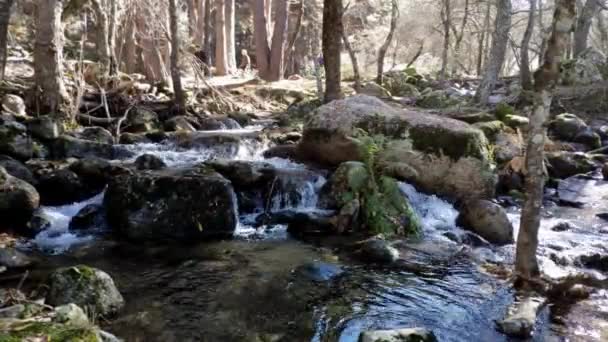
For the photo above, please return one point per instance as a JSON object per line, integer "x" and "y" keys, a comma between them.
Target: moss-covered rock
{"x": 516, "y": 121}
{"x": 374, "y": 89}
{"x": 140, "y": 120}
{"x": 570, "y": 127}
{"x": 415, "y": 139}
{"x": 564, "y": 164}
{"x": 67, "y": 146}
{"x": 86, "y": 287}
{"x": 15, "y": 142}
{"x": 48, "y": 331}
{"x": 188, "y": 204}
{"x": 491, "y": 128}
{"x": 18, "y": 199}
{"x": 435, "y": 99}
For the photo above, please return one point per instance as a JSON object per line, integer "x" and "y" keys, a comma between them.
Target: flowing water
{"x": 250, "y": 289}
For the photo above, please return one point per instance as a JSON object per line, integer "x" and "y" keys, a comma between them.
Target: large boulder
{"x": 187, "y": 204}
{"x": 15, "y": 142}
{"x": 87, "y": 287}
{"x": 487, "y": 219}
{"x": 374, "y": 89}
{"x": 449, "y": 157}
{"x": 569, "y": 127}
{"x": 18, "y": 199}
{"x": 141, "y": 120}
{"x": 507, "y": 146}
{"x": 398, "y": 335}
{"x": 96, "y": 134}
{"x": 44, "y": 127}
{"x": 178, "y": 123}
{"x": 587, "y": 68}
{"x": 563, "y": 164}
{"x": 17, "y": 169}
{"x": 13, "y": 104}
{"x": 66, "y": 146}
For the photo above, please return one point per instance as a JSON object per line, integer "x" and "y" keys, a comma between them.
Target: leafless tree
{"x": 180, "y": 97}
{"x": 5, "y": 14}
{"x": 583, "y": 25}
{"x": 524, "y": 65}
{"x": 387, "y": 41}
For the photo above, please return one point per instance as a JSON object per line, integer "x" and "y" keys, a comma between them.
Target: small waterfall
{"x": 58, "y": 238}
{"x": 436, "y": 215}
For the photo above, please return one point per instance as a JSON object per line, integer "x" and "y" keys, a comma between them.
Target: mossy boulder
{"x": 67, "y": 146}
{"x": 18, "y": 199}
{"x": 431, "y": 145}
{"x": 516, "y": 121}
{"x": 49, "y": 331}
{"x": 569, "y": 127}
{"x": 14, "y": 105}
{"x": 589, "y": 67}
{"x": 141, "y": 120}
{"x": 87, "y": 287}
{"x": 374, "y": 89}
{"x": 491, "y": 128}
{"x": 565, "y": 164}
{"x": 44, "y": 127}
{"x": 189, "y": 204}
{"x": 403, "y": 83}
{"x": 487, "y": 219}
{"x": 95, "y": 134}
{"x": 435, "y": 99}
{"x": 15, "y": 142}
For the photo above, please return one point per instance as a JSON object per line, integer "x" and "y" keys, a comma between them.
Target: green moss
{"x": 491, "y": 128}
{"x": 50, "y": 332}
{"x": 455, "y": 144}
{"x": 503, "y": 109}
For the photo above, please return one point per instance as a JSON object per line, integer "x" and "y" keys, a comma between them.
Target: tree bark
{"x": 387, "y": 42}
{"x": 207, "y": 33}
{"x": 102, "y": 35}
{"x": 460, "y": 36}
{"x": 192, "y": 18}
{"x": 290, "y": 50}
{"x": 279, "y": 37}
{"x": 221, "y": 58}
{"x": 48, "y": 60}
{"x": 230, "y": 42}
{"x": 112, "y": 21}
{"x": 180, "y": 98}
{"x": 545, "y": 80}
{"x": 526, "y": 77}
{"x": 583, "y": 25}
{"x": 5, "y": 15}
{"x": 498, "y": 52}
{"x": 446, "y": 14}
{"x": 353, "y": 60}
{"x": 483, "y": 39}
{"x": 603, "y": 30}
{"x": 262, "y": 51}
{"x": 332, "y": 36}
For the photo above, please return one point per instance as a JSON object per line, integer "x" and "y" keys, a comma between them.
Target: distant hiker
{"x": 245, "y": 61}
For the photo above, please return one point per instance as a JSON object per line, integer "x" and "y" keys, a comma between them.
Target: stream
{"x": 264, "y": 285}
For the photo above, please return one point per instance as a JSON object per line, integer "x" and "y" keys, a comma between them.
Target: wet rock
{"x": 570, "y": 127}
{"x": 187, "y": 204}
{"x": 378, "y": 251}
{"x": 299, "y": 223}
{"x": 88, "y": 217}
{"x": 491, "y": 128}
{"x": 472, "y": 118}
{"x": 282, "y": 151}
{"x": 17, "y": 169}
{"x": 67, "y": 146}
{"x": 12, "y": 258}
{"x": 506, "y": 147}
{"x": 516, "y": 121}
{"x": 87, "y": 287}
{"x": 585, "y": 69}
{"x": 579, "y": 191}
{"x": 567, "y": 164}
{"x": 64, "y": 186}
{"x": 140, "y": 120}
{"x": 374, "y": 89}
{"x": 178, "y": 123}
{"x": 18, "y": 199}
{"x": 71, "y": 314}
{"x": 96, "y": 134}
{"x": 605, "y": 171}
{"x": 14, "y": 311}
{"x": 149, "y": 162}
{"x": 603, "y": 216}
{"x": 36, "y": 224}
{"x": 244, "y": 174}
{"x": 398, "y": 335}
{"x": 44, "y": 127}
{"x": 133, "y": 138}
{"x": 487, "y": 219}
{"x": 596, "y": 261}
{"x": 224, "y": 144}
{"x": 449, "y": 156}
{"x": 318, "y": 271}
{"x": 474, "y": 240}
{"x": 14, "y": 105}
{"x": 520, "y": 318}
{"x": 94, "y": 171}
{"x": 15, "y": 142}
{"x": 563, "y": 226}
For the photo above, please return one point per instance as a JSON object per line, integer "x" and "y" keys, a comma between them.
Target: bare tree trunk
{"x": 387, "y": 42}
{"x": 221, "y": 61}
{"x": 102, "y": 34}
{"x": 416, "y": 55}
{"x": 152, "y": 59}
{"x": 583, "y": 25}
{"x": 277, "y": 47}
{"x": 207, "y": 32}
{"x": 112, "y": 23}
{"x": 48, "y": 59}
{"x": 180, "y": 98}
{"x": 5, "y": 14}
{"x": 603, "y": 30}
{"x": 483, "y": 39}
{"x": 526, "y": 77}
{"x": 199, "y": 29}
{"x": 192, "y": 18}
{"x": 332, "y": 36}
{"x": 545, "y": 80}
{"x": 459, "y": 37}
{"x": 495, "y": 63}
{"x": 353, "y": 60}
{"x": 446, "y": 14}
{"x": 290, "y": 50}
{"x": 230, "y": 42}
{"x": 542, "y": 32}
{"x": 262, "y": 51}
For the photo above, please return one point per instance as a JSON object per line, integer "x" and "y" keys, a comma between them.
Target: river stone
{"x": 449, "y": 156}
{"x": 15, "y": 142}
{"x": 12, "y": 258}
{"x": 579, "y": 191}
{"x": 44, "y": 127}
{"x": 565, "y": 164}
{"x": 17, "y": 169}
{"x": 507, "y": 146}
{"x": 244, "y": 174}
{"x": 14, "y": 105}
{"x": 141, "y": 120}
{"x": 87, "y": 287}
{"x": 585, "y": 69}
{"x": 374, "y": 89}
{"x": 18, "y": 199}
{"x": 133, "y": 138}
{"x": 520, "y": 318}
{"x": 189, "y": 204}
{"x": 149, "y": 162}
{"x": 96, "y": 134}
{"x": 378, "y": 250}
{"x": 487, "y": 219}
{"x": 71, "y": 314}
{"x": 178, "y": 123}
{"x": 596, "y": 261}
{"x": 319, "y": 271}
{"x": 398, "y": 335}
{"x": 516, "y": 121}
{"x": 66, "y": 146}
{"x": 605, "y": 171}
{"x": 13, "y": 311}
{"x": 64, "y": 186}
{"x": 87, "y": 217}
{"x": 569, "y": 127}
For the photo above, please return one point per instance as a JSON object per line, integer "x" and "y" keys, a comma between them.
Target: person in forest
{"x": 245, "y": 61}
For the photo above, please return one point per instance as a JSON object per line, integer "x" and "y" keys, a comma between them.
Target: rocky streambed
{"x": 219, "y": 239}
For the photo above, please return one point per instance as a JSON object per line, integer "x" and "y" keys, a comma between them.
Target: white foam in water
{"x": 434, "y": 213}
{"x": 57, "y": 238}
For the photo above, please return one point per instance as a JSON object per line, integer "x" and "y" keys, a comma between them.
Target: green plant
{"x": 503, "y": 109}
